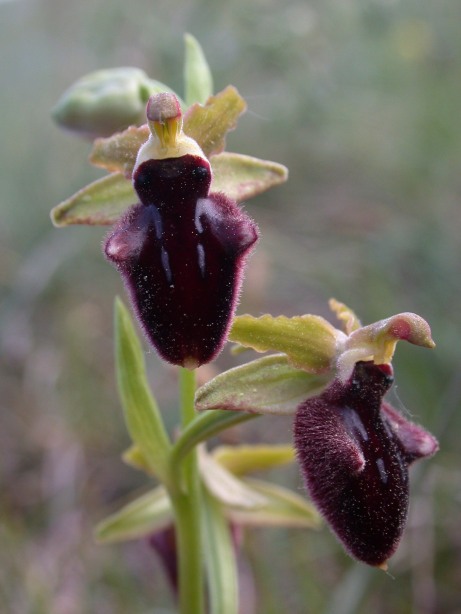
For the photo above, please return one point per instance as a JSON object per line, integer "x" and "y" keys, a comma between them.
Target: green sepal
{"x": 283, "y": 508}
{"x": 242, "y": 177}
{"x": 149, "y": 513}
{"x": 220, "y": 557}
{"x": 243, "y": 459}
{"x": 142, "y": 415}
{"x": 309, "y": 341}
{"x": 269, "y": 385}
{"x": 198, "y": 81}
{"x": 100, "y": 203}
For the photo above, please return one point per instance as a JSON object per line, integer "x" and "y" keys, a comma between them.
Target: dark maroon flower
{"x": 181, "y": 250}
{"x": 354, "y": 451}
{"x": 181, "y": 253}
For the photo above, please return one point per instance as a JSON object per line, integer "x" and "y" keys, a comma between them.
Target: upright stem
{"x": 186, "y": 503}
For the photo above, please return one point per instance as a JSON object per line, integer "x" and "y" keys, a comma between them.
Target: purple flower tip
{"x": 181, "y": 253}
{"x": 354, "y": 451}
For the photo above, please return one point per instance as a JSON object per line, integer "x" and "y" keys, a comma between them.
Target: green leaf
{"x": 209, "y": 124}
{"x": 308, "y": 341}
{"x": 220, "y": 559}
{"x": 150, "y": 513}
{"x": 198, "y": 82}
{"x": 141, "y": 412}
{"x": 269, "y": 385}
{"x": 243, "y": 459}
{"x": 99, "y": 203}
{"x": 242, "y": 177}
{"x": 283, "y": 508}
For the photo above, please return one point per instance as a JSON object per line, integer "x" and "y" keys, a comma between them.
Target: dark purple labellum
{"x": 181, "y": 253}
{"x": 354, "y": 453}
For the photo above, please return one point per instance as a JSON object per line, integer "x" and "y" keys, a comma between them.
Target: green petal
{"x": 150, "y": 513}
{"x": 118, "y": 152}
{"x": 242, "y": 177}
{"x": 308, "y": 341}
{"x": 240, "y": 460}
{"x": 141, "y": 412}
{"x": 345, "y": 315}
{"x": 283, "y": 507}
{"x": 269, "y": 385}
{"x": 198, "y": 82}
{"x": 209, "y": 124}
{"x": 99, "y": 203}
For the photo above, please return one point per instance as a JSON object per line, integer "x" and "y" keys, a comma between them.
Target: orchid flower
{"x": 353, "y": 447}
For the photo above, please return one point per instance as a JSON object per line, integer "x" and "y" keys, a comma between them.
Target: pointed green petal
{"x": 345, "y": 315}
{"x": 240, "y": 460}
{"x": 198, "y": 82}
{"x": 118, "y": 152}
{"x": 209, "y": 124}
{"x": 308, "y": 341}
{"x": 242, "y": 177}
{"x": 99, "y": 203}
{"x": 269, "y": 385}
{"x": 283, "y": 508}
{"x": 150, "y": 513}
{"x": 141, "y": 412}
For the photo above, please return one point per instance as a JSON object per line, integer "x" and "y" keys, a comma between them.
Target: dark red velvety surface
{"x": 354, "y": 465}
{"x": 181, "y": 253}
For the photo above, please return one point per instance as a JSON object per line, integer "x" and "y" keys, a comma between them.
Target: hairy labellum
{"x": 354, "y": 451}
{"x": 181, "y": 252}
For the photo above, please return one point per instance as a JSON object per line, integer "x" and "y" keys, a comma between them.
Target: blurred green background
{"x": 361, "y": 100}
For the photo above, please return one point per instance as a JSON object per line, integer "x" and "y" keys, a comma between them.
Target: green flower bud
{"x": 106, "y": 101}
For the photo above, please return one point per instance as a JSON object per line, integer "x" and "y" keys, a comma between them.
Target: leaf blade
{"x": 142, "y": 415}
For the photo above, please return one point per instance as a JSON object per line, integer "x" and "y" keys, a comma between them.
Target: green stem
{"x": 186, "y": 504}
{"x": 204, "y": 426}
